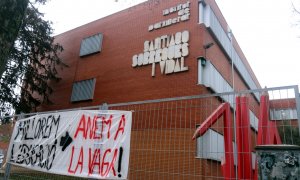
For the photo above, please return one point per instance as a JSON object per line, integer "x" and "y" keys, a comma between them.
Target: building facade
{"x": 157, "y": 50}
{"x": 115, "y": 55}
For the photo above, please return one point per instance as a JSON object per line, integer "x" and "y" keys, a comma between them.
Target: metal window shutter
{"x": 83, "y": 90}
{"x": 91, "y": 45}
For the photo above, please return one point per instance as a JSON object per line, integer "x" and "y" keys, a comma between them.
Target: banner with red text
{"x": 84, "y": 143}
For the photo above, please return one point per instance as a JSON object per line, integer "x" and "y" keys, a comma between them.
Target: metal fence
{"x": 162, "y": 131}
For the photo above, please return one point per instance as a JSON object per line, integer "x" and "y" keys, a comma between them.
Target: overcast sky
{"x": 265, "y": 30}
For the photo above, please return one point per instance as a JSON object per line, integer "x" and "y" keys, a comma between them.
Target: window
{"x": 210, "y": 77}
{"x": 83, "y": 90}
{"x": 211, "y": 146}
{"x": 283, "y": 114}
{"x": 253, "y": 121}
{"x": 91, "y": 45}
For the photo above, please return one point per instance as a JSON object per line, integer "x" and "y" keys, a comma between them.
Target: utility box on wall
{"x": 278, "y": 162}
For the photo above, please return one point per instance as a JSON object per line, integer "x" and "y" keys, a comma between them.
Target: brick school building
{"x": 154, "y": 51}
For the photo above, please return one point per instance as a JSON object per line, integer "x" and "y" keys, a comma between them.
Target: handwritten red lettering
{"x": 89, "y": 127}
{"x": 107, "y": 122}
{"x": 121, "y": 126}
{"x": 97, "y": 164}
{"x": 79, "y": 162}
{"x": 71, "y": 162}
{"x": 81, "y": 127}
{"x": 93, "y": 161}
{"x": 97, "y": 159}
{"x": 109, "y": 165}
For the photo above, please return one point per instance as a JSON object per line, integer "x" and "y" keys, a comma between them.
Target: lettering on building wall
{"x": 169, "y": 51}
{"x": 183, "y": 11}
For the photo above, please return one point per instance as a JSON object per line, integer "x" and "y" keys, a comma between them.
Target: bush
{"x": 289, "y": 134}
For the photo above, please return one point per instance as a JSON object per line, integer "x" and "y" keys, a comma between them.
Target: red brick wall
{"x": 124, "y": 35}
{"x": 283, "y": 103}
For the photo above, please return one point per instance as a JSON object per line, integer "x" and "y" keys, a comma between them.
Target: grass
{"x": 26, "y": 174}
{"x": 37, "y": 176}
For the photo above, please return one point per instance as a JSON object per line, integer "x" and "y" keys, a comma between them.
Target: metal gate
{"x": 162, "y": 131}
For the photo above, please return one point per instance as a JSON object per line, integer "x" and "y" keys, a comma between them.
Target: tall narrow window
{"x": 211, "y": 146}
{"x": 91, "y": 45}
{"x": 83, "y": 90}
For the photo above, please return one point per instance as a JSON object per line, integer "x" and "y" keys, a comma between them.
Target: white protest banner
{"x": 84, "y": 143}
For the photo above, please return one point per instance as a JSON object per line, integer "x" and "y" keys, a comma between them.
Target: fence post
{"x": 104, "y": 106}
{"x": 296, "y": 89}
{"x": 7, "y": 171}
{"x": 8, "y": 165}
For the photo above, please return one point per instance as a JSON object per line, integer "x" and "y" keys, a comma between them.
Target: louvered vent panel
{"x": 91, "y": 45}
{"x": 83, "y": 90}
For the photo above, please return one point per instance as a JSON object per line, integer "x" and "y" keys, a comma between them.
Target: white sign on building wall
{"x": 169, "y": 51}
{"x": 183, "y": 12}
